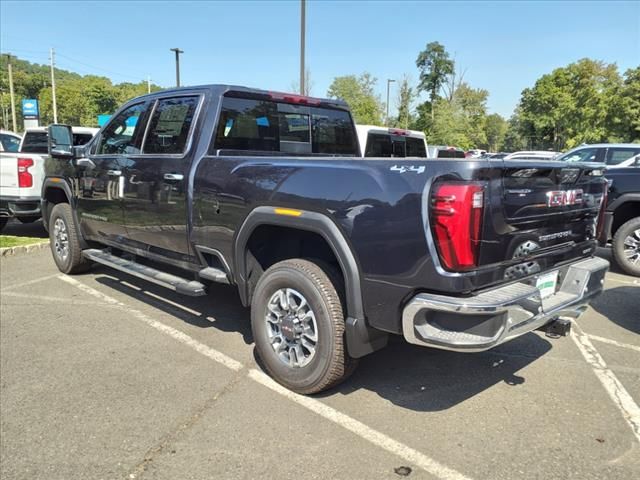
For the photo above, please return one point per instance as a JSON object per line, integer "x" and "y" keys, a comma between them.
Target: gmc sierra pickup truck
{"x": 333, "y": 252}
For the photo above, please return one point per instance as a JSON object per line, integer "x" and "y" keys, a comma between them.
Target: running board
{"x": 214, "y": 275}
{"x": 172, "y": 282}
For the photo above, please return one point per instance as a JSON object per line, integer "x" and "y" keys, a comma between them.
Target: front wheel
{"x": 298, "y": 327}
{"x": 65, "y": 240}
{"x": 626, "y": 246}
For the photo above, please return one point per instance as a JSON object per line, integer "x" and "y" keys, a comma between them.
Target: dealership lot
{"x": 106, "y": 376}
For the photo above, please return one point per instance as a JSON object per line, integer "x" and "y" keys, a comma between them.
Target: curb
{"x": 17, "y": 250}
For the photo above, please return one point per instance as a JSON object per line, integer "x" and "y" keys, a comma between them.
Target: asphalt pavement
{"x": 104, "y": 376}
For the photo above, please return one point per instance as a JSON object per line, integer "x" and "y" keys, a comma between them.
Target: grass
{"x": 11, "y": 241}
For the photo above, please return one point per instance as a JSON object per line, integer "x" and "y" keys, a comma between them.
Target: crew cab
{"x": 333, "y": 252}
{"x": 391, "y": 142}
{"x": 622, "y": 217}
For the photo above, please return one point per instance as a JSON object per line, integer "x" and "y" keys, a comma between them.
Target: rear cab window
{"x": 380, "y": 144}
{"x": 263, "y": 125}
{"x": 34, "y": 142}
{"x": 617, "y": 155}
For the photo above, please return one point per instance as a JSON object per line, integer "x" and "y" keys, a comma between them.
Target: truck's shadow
{"x": 17, "y": 229}
{"x": 411, "y": 377}
{"x": 620, "y": 305}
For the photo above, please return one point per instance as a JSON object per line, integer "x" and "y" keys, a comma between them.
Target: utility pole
{"x": 148, "y": 84}
{"x": 13, "y": 100}
{"x": 53, "y": 86}
{"x": 302, "y": 45}
{"x": 178, "y": 52}
{"x": 389, "y": 81}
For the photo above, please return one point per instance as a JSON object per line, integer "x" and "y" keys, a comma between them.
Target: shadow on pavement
{"x": 409, "y": 376}
{"x": 606, "y": 253}
{"x": 621, "y": 305}
{"x": 17, "y": 229}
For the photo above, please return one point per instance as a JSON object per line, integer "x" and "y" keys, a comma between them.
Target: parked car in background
{"x": 391, "y": 142}
{"x": 445, "y": 151}
{"x": 22, "y": 172}
{"x": 475, "y": 153}
{"x": 9, "y": 141}
{"x": 35, "y": 139}
{"x": 610, "y": 154}
{"x": 531, "y": 155}
{"x": 621, "y": 223}
{"x": 496, "y": 156}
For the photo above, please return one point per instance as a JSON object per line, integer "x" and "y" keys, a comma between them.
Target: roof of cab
{"x": 220, "y": 89}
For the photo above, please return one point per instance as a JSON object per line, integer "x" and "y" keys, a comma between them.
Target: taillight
{"x": 456, "y": 215}
{"x": 25, "y": 179}
{"x": 603, "y": 206}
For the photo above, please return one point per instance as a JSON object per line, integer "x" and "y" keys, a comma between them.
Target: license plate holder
{"x": 546, "y": 284}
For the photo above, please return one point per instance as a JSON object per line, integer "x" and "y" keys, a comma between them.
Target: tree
{"x": 308, "y": 84}
{"x": 571, "y": 105}
{"x": 358, "y": 92}
{"x": 434, "y": 65}
{"x": 406, "y": 97}
{"x": 496, "y": 130}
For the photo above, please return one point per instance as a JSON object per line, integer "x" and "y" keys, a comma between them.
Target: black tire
{"x": 630, "y": 229}
{"x": 3, "y": 222}
{"x": 73, "y": 261}
{"x": 27, "y": 219}
{"x": 330, "y": 364}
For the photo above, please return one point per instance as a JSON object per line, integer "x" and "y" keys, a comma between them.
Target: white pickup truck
{"x": 391, "y": 142}
{"x": 22, "y": 174}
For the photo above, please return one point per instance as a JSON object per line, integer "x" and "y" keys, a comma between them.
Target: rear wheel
{"x": 626, "y": 246}
{"x": 65, "y": 240}
{"x": 298, "y": 327}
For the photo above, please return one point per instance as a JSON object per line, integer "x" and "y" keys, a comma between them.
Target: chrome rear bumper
{"x": 482, "y": 321}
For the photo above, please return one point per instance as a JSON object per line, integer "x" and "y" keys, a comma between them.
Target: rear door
{"x": 155, "y": 190}
{"x": 100, "y": 184}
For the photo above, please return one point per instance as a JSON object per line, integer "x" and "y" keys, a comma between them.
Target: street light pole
{"x": 178, "y": 52}
{"x": 389, "y": 81}
{"x": 302, "y": 43}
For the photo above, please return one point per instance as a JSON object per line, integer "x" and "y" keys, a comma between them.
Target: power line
{"x": 100, "y": 68}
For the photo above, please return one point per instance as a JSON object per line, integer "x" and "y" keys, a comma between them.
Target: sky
{"x": 501, "y": 46}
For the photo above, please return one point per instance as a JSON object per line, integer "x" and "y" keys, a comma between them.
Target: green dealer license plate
{"x": 546, "y": 284}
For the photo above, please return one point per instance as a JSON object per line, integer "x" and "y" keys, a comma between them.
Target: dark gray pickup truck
{"x": 266, "y": 191}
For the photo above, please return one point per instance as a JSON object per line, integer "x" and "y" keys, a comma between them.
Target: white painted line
{"x": 172, "y": 332}
{"x": 360, "y": 429}
{"x": 193, "y": 312}
{"x": 633, "y": 282}
{"x": 30, "y": 282}
{"x": 341, "y": 419}
{"x": 613, "y": 342}
{"x": 615, "y": 389}
{"x": 44, "y": 298}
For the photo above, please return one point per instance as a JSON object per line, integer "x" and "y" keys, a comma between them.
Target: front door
{"x": 155, "y": 197}
{"x": 100, "y": 180}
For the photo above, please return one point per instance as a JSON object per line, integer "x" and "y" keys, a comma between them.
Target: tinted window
{"x": 124, "y": 133}
{"x": 81, "y": 138}
{"x": 9, "y": 142}
{"x": 378, "y": 145}
{"x": 616, "y": 156}
{"x": 450, "y": 153}
{"x": 582, "y": 155}
{"x": 262, "y": 125}
{"x": 415, "y": 147}
{"x": 170, "y": 125}
{"x": 35, "y": 142}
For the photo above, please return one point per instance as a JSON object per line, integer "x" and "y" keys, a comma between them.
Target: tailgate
{"x": 8, "y": 174}
{"x": 548, "y": 214}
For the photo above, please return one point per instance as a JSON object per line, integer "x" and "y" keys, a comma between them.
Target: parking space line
{"x": 45, "y": 298}
{"x": 30, "y": 282}
{"x": 613, "y": 342}
{"x": 633, "y": 282}
{"x": 360, "y": 429}
{"x": 343, "y": 420}
{"x": 172, "y": 332}
{"x": 621, "y": 398}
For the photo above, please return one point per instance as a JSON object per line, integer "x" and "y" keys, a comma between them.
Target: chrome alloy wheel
{"x": 632, "y": 247}
{"x": 61, "y": 239}
{"x": 292, "y": 327}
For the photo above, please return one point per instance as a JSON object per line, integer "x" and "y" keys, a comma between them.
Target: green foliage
{"x": 358, "y": 92}
{"x": 80, "y": 99}
{"x": 406, "y": 96}
{"x": 435, "y": 66}
{"x": 496, "y": 131}
{"x": 584, "y": 102}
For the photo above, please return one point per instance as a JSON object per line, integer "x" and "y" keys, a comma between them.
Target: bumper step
{"x": 172, "y": 282}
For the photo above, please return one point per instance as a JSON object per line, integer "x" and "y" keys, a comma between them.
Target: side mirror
{"x": 60, "y": 142}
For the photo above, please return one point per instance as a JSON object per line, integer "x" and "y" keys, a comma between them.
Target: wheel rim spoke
{"x": 291, "y": 327}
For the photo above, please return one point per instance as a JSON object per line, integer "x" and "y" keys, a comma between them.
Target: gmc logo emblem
{"x": 561, "y": 198}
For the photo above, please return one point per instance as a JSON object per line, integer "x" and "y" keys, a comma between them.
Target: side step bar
{"x": 172, "y": 282}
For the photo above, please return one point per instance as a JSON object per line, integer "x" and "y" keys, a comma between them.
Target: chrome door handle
{"x": 173, "y": 177}
{"x": 114, "y": 173}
